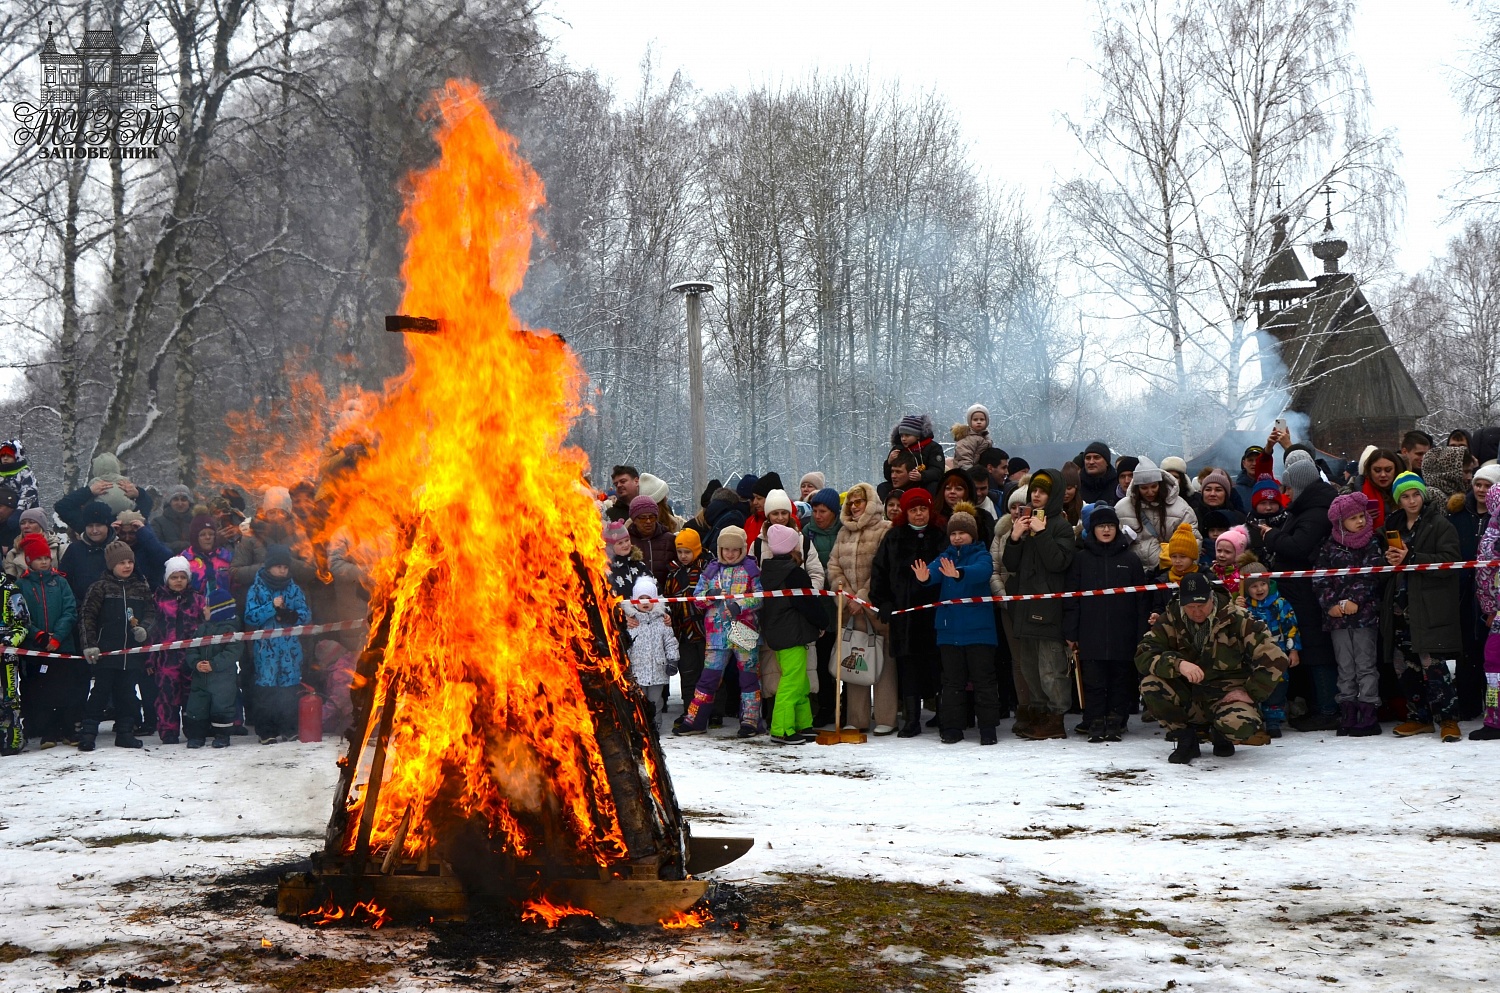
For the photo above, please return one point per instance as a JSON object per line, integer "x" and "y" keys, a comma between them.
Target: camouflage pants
{"x": 1177, "y": 703}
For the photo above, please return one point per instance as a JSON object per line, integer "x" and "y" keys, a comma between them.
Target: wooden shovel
{"x": 838, "y": 736}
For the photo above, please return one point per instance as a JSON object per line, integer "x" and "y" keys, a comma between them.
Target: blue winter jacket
{"x": 278, "y": 661}
{"x": 969, "y": 623}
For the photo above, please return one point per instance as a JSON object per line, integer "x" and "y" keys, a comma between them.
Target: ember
{"x": 500, "y": 749}
{"x": 687, "y": 920}
{"x": 365, "y": 913}
{"x": 550, "y": 913}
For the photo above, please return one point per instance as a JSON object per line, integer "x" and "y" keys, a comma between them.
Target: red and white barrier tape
{"x": 261, "y": 634}
{"x": 1279, "y": 574}
{"x": 639, "y": 601}
{"x": 1078, "y": 594}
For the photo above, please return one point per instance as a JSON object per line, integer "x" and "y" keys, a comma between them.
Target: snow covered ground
{"x": 1310, "y": 863}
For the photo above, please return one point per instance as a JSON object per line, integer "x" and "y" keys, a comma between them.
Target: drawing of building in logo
{"x": 99, "y": 72}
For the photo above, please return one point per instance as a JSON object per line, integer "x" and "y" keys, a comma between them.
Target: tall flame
{"x": 468, "y": 511}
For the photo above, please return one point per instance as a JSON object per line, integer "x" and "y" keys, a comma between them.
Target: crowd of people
{"x": 113, "y": 566}
{"x": 1228, "y": 652}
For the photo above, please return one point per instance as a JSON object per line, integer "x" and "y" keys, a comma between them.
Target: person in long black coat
{"x": 893, "y": 586}
{"x": 1470, "y": 520}
{"x": 1105, "y": 630}
{"x": 1295, "y": 545}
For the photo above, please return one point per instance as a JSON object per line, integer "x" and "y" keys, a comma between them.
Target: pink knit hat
{"x": 782, "y": 539}
{"x": 1237, "y": 538}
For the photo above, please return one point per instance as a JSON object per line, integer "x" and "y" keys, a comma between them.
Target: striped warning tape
{"x": 1078, "y": 594}
{"x": 261, "y": 634}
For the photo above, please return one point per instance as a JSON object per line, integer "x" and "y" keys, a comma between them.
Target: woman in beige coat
{"x": 849, "y": 566}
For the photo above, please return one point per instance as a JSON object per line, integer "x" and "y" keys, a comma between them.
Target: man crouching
{"x": 1206, "y": 664}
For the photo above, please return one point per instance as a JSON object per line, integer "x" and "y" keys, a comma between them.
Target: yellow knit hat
{"x": 1184, "y": 541}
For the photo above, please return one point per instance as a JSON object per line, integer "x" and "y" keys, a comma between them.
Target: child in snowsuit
{"x": 336, "y": 662}
{"x": 13, "y": 630}
{"x": 625, "y": 562}
{"x": 1489, "y": 604}
{"x": 1258, "y": 595}
{"x": 1351, "y": 610}
{"x": 215, "y": 683}
{"x": 15, "y": 473}
{"x": 787, "y": 626}
{"x": 653, "y": 649}
{"x": 179, "y": 611}
{"x": 966, "y": 636}
{"x": 1231, "y": 553}
{"x": 117, "y": 613}
{"x": 730, "y": 629}
{"x": 1182, "y": 558}
{"x": 276, "y": 601}
{"x": 687, "y": 623}
{"x": 209, "y": 562}
{"x": 1105, "y": 630}
{"x": 55, "y": 688}
{"x": 1266, "y": 508}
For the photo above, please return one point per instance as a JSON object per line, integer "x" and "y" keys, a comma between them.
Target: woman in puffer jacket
{"x": 850, "y": 566}
{"x": 1152, "y": 510}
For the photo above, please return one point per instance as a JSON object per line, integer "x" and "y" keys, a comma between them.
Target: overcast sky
{"x": 1012, "y": 69}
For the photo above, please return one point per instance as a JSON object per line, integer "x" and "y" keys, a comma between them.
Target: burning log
{"x": 650, "y": 882}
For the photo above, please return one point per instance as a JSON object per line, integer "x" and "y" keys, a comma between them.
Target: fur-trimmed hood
{"x": 926, "y": 434}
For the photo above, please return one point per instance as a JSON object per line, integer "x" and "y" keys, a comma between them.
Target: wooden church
{"x": 1340, "y": 367}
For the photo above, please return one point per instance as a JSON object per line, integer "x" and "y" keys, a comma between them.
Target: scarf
{"x": 1174, "y": 577}
{"x": 1231, "y": 579}
{"x": 1199, "y": 633}
{"x": 1356, "y": 539}
{"x": 271, "y": 582}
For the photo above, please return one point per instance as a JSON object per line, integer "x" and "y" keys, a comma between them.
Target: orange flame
{"x": 544, "y": 910}
{"x": 467, "y": 511}
{"x": 688, "y": 920}
{"x": 365, "y": 912}
{"x": 290, "y": 439}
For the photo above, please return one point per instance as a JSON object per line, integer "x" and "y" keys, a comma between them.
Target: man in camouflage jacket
{"x": 1206, "y": 664}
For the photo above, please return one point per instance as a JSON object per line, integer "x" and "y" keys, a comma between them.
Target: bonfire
{"x": 500, "y": 749}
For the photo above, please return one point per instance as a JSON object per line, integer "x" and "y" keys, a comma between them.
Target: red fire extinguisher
{"x": 309, "y": 715}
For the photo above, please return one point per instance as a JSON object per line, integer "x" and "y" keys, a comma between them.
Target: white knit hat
{"x": 778, "y": 500}
{"x": 177, "y": 564}
{"x": 654, "y": 487}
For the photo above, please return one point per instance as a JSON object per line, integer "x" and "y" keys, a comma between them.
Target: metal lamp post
{"x": 691, "y": 290}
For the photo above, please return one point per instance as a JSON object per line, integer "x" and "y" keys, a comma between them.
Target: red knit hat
{"x": 34, "y": 546}
{"x": 917, "y": 496}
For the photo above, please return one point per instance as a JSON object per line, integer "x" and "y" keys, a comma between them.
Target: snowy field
{"x": 1313, "y": 863}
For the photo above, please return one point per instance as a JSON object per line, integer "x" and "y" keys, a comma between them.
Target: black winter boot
{"x": 128, "y": 741}
{"x": 987, "y": 736}
{"x": 1223, "y": 747}
{"x": 1096, "y": 731}
{"x": 1114, "y": 728}
{"x": 1366, "y": 722}
{"x": 912, "y": 708}
{"x": 87, "y": 733}
{"x": 1187, "y": 747}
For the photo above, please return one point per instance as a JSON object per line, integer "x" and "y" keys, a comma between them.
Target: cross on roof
{"x": 1328, "y": 192}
